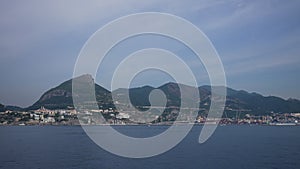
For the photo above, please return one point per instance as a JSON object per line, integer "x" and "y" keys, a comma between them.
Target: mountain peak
{"x": 84, "y": 77}
{"x": 60, "y": 97}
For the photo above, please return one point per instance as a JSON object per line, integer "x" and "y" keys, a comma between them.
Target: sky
{"x": 258, "y": 42}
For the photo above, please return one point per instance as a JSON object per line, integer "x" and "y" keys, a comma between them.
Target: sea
{"x": 230, "y": 147}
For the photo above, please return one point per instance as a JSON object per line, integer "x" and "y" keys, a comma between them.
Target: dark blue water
{"x": 232, "y": 147}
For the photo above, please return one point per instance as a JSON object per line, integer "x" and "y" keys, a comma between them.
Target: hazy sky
{"x": 258, "y": 41}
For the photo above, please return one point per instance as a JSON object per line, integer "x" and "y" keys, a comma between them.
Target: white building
{"x": 122, "y": 116}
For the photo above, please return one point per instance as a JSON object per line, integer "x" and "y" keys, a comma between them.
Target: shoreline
{"x": 149, "y": 125}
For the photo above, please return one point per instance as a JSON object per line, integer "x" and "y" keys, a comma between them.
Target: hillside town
{"x": 43, "y": 116}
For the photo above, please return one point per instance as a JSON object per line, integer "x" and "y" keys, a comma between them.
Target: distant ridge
{"x": 2, "y": 107}
{"x": 7, "y": 107}
{"x": 60, "y": 97}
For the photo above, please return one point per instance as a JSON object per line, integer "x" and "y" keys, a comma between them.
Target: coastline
{"x": 149, "y": 125}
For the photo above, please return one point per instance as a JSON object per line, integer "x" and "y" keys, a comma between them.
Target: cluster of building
{"x": 271, "y": 119}
{"x": 43, "y": 116}
{"x": 40, "y": 116}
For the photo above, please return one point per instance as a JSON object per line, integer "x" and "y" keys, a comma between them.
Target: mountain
{"x": 138, "y": 96}
{"x": 60, "y": 97}
{"x": 257, "y": 104}
{"x": 2, "y": 107}
{"x": 13, "y": 108}
{"x": 238, "y": 101}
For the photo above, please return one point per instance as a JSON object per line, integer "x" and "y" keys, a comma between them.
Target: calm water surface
{"x": 231, "y": 147}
